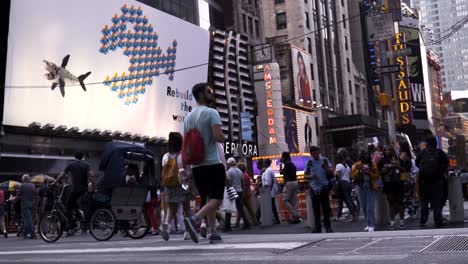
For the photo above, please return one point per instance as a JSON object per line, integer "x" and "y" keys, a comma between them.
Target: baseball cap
{"x": 231, "y": 161}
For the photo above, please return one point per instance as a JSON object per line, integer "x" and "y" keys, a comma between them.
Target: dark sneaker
{"x": 329, "y": 230}
{"x": 6, "y": 234}
{"x": 317, "y": 230}
{"x": 295, "y": 220}
{"x": 165, "y": 232}
{"x": 215, "y": 238}
{"x": 402, "y": 225}
{"x": 203, "y": 231}
{"x": 190, "y": 228}
{"x": 246, "y": 227}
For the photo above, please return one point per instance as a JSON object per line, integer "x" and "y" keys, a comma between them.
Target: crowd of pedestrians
{"x": 195, "y": 165}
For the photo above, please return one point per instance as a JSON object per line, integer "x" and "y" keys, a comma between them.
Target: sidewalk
{"x": 345, "y": 226}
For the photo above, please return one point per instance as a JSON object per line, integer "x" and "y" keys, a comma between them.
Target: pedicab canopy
{"x": 116, "y": 154}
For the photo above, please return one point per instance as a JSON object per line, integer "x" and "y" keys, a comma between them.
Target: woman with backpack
{"x": 365, "y": 175}
{"x": 391, "y": 170}
{"x": 174, "y": 193}
{"x": 343, "y": 177}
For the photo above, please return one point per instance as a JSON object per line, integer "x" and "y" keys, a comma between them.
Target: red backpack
{"x": 193, "y": 149}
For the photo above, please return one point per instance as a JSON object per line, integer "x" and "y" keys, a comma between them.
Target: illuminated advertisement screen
{"x": 108, "y": 64}
{"x": 302, "y": 77}
{"x": 299, "y": 161}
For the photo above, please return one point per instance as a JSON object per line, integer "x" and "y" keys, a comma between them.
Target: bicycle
{"x": 54, "y": 222}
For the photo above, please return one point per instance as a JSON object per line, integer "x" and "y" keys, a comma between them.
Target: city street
{"x": 356, "y": 247}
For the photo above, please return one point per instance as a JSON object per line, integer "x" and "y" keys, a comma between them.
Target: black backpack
{"x": 430, "y": 167}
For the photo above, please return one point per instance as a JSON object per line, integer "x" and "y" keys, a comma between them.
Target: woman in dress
{"x": 303, "y": 82}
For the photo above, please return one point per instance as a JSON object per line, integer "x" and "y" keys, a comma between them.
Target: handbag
{"x": 228, "y": 205}
{"x": 231, "y": 193}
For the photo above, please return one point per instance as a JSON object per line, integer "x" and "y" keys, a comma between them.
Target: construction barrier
{"x": 301, "y": 207}
{"x": 283, "y": 210}
{"x": 333, "y": 206}
{"x": 302, "y": 204}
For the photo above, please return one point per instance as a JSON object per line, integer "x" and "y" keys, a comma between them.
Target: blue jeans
{"x": 28, "y": 226}
{"x": 367, "y": 198}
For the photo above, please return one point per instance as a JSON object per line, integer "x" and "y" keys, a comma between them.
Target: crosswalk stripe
{"x": 279, "y": 246}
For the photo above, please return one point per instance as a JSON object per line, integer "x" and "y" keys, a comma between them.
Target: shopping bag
{"x": 228, "y": 206}
{"x": 231, "y": 192}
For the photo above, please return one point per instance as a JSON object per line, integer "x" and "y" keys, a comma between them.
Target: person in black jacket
{"x": 288, "y": 170}
{"x": 432, "y": 164}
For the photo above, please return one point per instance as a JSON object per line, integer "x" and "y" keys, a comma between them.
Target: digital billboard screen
{"x": 109, "y": 65}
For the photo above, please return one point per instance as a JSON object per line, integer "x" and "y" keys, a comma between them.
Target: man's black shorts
{"x": 210, "y": 180}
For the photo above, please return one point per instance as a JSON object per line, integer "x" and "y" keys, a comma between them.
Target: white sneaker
{"x": 371, "y": 229}
{"x": 366, "y": 229}
{"x": 186, "y": 236}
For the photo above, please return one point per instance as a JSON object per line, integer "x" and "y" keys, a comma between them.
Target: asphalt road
{"x": 359, "y": 247}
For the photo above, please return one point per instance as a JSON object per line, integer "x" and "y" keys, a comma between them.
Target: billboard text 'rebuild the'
{"x": 109, "y": 65}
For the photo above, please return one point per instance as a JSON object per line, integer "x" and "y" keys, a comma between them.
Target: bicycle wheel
{"x": 140, "y": 228}
{"x": 102, "y": 225}
{"x": 50, "y": 228}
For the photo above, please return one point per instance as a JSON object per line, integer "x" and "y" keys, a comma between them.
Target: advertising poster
{"x": 290, "y": 130}
{"x": 302, "y": 77}
{"x": 307, "y": 131}
{"x": 415, "y": 72}
{"x": 108, "y": 65}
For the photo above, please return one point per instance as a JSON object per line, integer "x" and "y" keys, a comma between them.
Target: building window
{"x": 352, "y": 108}
{"x": 346, "y": 42}
{"x": 344, "y": 21}
{"x": 347, "y": 65}
{"x": 244, "y": 22}
{"x": 307, "y": 20}
{"x": 342, "y": 2}
{"x": 350, "y": 88}
{"x": 257, "y": 29}
{"x": 279, "y": 2}
{"x": 309, "y": 45}
{"x": 312, "y": 74}
{"x": 250, "y": 26}
{"x": 281, "y": 21}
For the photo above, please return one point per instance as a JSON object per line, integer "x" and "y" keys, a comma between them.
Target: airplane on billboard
{"x": 58, "y": 75}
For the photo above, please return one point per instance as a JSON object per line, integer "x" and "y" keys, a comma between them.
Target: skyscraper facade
{"x": 439, "y": 17}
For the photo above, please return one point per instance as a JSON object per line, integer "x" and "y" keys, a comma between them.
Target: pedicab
{"x": 120, "y": 206}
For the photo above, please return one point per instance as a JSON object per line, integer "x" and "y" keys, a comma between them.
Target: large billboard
{"x": 290, "y": 130}
{"x": 415, "y": 71}
{"x": 109, "y": 64}
{"x": 302, "y": 77}
{"x": 306, "y": 130}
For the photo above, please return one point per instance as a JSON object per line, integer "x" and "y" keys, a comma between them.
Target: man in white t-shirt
{"x": 269, "y": 181}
